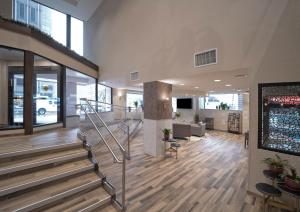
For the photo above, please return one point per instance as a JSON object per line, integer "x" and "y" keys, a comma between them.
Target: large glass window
{"x": 46, "y": 88}
{"x": 222, "y": 101}
{"x": 104, "y": 95}
{"x": 50, "y": 21}
{"x": 134, "y": 99}
{"x": 11, "y": 88}
{"x": 77, "y": 35}
{"x": 78, "y": 86}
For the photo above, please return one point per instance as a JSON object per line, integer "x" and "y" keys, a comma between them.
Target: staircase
{"x": 70, "y": 176}
{"x": 54, "y": 178}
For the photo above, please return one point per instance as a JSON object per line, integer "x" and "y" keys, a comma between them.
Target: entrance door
{"x": 46, "y": 99}
{"x": 15, "y": 97}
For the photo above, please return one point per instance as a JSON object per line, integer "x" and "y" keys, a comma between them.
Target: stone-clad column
{"x": 157, "y": 115}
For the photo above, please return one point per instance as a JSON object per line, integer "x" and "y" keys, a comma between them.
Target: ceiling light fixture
{"x": 240, "y": 75}
{"x": 228, "y": 85}
{"x": 181, "y": 84}
{"x": 217, "y": 80}
{"x": 211, "y": 91}
{"x": 196, "y": 87}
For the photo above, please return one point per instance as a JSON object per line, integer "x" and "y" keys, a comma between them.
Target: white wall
{"x": 188, "y": 115}
{"x": 159, "y": 38}
{"x": 280, "y": 63}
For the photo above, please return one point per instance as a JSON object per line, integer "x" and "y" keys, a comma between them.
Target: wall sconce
{"x": 119, "y": 95}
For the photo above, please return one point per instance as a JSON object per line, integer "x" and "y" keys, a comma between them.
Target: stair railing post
{"x": 123, "y": 181}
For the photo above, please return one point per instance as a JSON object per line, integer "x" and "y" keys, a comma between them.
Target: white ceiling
{"x": 81, "y": 9}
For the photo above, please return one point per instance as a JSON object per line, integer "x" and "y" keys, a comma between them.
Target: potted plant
{"x": 177, "y": 115}
{"x": 276, "y": 165}
{"x": 292, "y": 180}
{"x": 166, "y": 133}
{"x": 196, "y": 118}
{"x": 135, "y": 104}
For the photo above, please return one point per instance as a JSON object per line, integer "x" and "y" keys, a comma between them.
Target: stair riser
{"x": 44, "y": 180}
{"x": 97, "y": 205}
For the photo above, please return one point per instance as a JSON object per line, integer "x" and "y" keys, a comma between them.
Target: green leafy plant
{"x": 292, "y": 180}
{"x": 177, "y": 115}
{"x": 223, "y": 106}
{"x": 167, "y": 133}
{"x": 136, "y": 103}
{"x": 276, "y": 165}
{"x": 276, "y": 162}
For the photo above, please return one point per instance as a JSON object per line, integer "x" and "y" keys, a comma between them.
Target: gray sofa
{"x": 182, "y": 130}
{"x": 198, "y": 129}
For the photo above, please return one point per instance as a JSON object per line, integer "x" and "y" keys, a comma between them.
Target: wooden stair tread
{"x": 81, "y": 201}
{"x": 16, "y": 181}
{"x": 47, "y": 156}
{"x": 50, "y": 190}
{"x": 20, "y": 151}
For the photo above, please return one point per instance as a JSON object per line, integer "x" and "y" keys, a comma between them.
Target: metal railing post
{"x": 124, "y": 182}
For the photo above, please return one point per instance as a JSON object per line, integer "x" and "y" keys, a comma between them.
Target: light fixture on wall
{"x": 119, "y": 95}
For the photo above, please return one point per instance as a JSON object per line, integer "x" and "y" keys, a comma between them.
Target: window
{"x": 77, "y": 36}
{"x": 279, "y": 117}
{"x": 133, "y": 98}
{"x": 11, "y": 88}
{"x": 104, "y": 96}
{"x": 78, "y": 86}
{"x": 46, "y": 88}
{"x": 221, "y": 101}
{"x": 49, "y": 21}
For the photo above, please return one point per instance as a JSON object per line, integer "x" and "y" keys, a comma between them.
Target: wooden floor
{"x": 210, "y": 173}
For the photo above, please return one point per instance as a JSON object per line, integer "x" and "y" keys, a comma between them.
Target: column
{"x": 157, "y": 116}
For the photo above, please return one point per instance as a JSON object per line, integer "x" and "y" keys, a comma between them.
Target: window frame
{"x": 27, "y": 17}
{"x": 111, "y": 97}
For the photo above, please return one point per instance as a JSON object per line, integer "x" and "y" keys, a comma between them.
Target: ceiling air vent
{"x": 134, "y": 76}
{"x": 205, "y": 58}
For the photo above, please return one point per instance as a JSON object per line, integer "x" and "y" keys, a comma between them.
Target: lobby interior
{"x": 149, "y": 105}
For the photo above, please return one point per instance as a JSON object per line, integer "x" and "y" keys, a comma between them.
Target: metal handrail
{"x": 116, "y": 140}
{"x": 100, "y": 134}
{"x": 116, "y": 159}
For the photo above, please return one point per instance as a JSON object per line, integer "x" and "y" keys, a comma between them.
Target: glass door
{"x": 46, "y": 99}
{"x": 15, "y": 99}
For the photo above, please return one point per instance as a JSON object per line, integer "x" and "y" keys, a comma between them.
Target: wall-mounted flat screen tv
{"x": 186, "y": 103}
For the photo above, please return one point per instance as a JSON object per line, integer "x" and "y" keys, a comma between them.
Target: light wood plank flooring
{"x": 210, "y": 173}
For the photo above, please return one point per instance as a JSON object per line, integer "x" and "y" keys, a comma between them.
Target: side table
{"x": 173, "y": 147}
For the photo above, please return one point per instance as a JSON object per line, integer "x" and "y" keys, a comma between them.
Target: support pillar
{"x": 28, "y": 92}
{"x": 157, "y": 116}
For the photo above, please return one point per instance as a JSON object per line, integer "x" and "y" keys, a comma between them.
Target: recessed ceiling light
{"x": 211, "y": 91}
{"x": 240, "y": 75}
{"x": 217, "y": 80}
{"x": 228, "y": 85}
{"x": 181, "y": 84}
{"x": 196, "y": 87}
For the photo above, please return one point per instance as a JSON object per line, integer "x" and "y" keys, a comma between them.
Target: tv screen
{"x": 184, "y": 103}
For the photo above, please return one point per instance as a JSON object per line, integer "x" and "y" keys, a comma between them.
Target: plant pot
{"x": 166, "y": 137}
{"x": 276, "y": 171}
{"x": 292, "y": 184}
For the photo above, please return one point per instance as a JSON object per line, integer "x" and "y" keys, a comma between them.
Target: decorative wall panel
{"x": 279, "y": 117}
